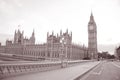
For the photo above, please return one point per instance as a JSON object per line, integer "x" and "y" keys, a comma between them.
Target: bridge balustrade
{"x": 7, "y": 70}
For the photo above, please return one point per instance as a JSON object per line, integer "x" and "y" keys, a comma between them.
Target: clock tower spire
{"x": 92, "y": 38}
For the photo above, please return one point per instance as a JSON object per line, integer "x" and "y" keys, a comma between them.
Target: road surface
{"x": 104, "y": 71}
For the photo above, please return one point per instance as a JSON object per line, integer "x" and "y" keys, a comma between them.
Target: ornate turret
{"x": 67, "y": 31}
{"x": 32, "y": 38}
{"x": 15, "y": 37}
{"x": 60, "y": 32}
{"x": 33, "y": 34}
{"x": 71, "y": 35}
{"x": 52, "y": 33}
{"x": 47, "y": 34}
{"x": 18, "y": 37}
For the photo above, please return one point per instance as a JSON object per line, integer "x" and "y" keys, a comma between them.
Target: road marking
{"x": 116, "y": 65}
{"x": 89, "y": 73}
{"x": 98, "y": 73}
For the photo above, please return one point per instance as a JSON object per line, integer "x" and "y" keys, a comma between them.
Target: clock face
{"x": 91, "y": 27}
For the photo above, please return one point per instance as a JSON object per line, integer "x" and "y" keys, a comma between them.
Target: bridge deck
{"x": 68, "y": 73}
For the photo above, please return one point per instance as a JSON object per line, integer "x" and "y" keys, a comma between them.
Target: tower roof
{"x": 91, "y": 21}
{"x": 92, "y": 17}
{"x": 33, "y": 33}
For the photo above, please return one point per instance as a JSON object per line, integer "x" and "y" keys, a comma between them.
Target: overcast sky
{"x": 54, "y": 15}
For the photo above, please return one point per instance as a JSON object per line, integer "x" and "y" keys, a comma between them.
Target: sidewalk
{"x": 69, "y": 73}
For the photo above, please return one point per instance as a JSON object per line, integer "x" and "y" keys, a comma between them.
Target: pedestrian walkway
{"x": 68, "y": 73}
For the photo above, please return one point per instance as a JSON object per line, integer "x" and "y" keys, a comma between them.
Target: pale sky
{"x": 54, "y": 15}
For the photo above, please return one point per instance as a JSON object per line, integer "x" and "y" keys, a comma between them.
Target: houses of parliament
{"x": 56, "y": 46}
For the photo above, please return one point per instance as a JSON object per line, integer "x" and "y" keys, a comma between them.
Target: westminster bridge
{"x": 13, "y": 68}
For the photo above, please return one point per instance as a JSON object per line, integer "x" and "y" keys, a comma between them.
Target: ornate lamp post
{"x": 63, "y": 54}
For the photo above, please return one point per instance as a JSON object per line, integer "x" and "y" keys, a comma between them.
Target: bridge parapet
{"x": 12, "y": 69}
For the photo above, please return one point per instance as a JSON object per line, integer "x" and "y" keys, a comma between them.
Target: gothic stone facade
{"x": 20, "y": 39}
{"x": 52, "y": 49}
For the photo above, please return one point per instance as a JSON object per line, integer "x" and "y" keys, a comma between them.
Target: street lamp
{"x": 63, "y": 55}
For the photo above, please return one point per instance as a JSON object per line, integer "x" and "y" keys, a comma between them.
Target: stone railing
{"x": 17, "y": 68}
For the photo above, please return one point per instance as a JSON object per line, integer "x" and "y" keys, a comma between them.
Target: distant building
{"x": 19, "y": 38}
{"x": 2, "y": 49}
{"x": 52, "y": 49}
{"x": 8, "y": 42}
{"x": 117, "y": 54}
{"x": 92, "y": 38}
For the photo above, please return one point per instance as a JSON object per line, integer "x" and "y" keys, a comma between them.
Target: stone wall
{"x": 14, "y": 69}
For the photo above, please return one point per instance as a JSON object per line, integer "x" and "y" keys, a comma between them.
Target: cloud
{"x": 109, "y": 47}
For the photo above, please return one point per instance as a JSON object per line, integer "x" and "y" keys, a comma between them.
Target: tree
{"x": 105, "y": 55}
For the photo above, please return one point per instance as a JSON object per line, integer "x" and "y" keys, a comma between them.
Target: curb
{"x": 78, "y": 78}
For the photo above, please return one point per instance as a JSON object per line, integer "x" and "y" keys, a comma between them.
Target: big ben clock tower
{"x": 92, "y": 38}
